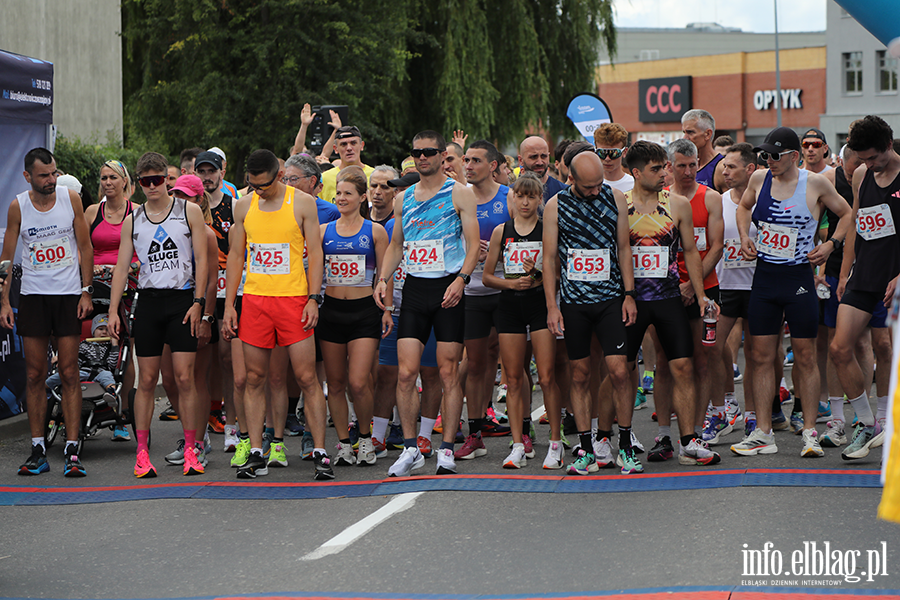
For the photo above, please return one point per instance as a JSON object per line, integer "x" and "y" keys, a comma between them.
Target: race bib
{"x": 221, "y": 284}
{"x": 424, "y": 256}
{"x": 515, "y": 254}
{"x": 588, "y": 265}
{"x": 345, "y": 269}
{"x": 875, "y": 222}
{"x": 270, "y": 259}
{"x": 400, "y": 275}
{"x": 650, "y": 262}
{"x": 700, "y": 238}
{"x": 733, "y": 257}
{"x": 777, "y": 240}
{"x": 50, "y": 255}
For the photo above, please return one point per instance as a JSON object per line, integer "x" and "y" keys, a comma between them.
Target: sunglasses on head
{"x": 776, "y": 156}
{"x": 612, "y": 153}
{"x": 813, "y": 144}
{"x": 420, "y": 152}
{"x": 151, "y": 180}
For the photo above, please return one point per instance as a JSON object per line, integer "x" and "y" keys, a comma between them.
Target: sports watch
{"x": 466, "y": 278}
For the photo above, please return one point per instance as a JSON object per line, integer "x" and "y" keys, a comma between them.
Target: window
{"x": 887, "y": 73}
{"x": 649, "y": 54}
{"x": 853, "y": 72}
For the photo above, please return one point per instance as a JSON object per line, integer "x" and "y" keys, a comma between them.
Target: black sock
{"x": 585, "y": 438}
{"x": 243, "y": 435}
{"x": 365, "y": 435}
{"x": 624, "y": 437}
{"x": 776, "y": 404}
{"x": 292, "y": 405}
{"x": 603, "y": 434}
{"x": 476, "y": 425}
{"x": 344, "y": 441}
{"x": 276, "y": 440}
{"x": 797, "y": 409}
{"x": 526, "y": 426}
{"x": 686, "y": 439}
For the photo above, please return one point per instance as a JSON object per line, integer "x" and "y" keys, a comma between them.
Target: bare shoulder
{"x": 241, "y": 206}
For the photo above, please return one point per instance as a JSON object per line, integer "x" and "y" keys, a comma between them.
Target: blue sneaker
{"x": 306, "y": 446}
{"x": 292, "y": 426}
{"x": 716, "y": 428}
{"x": 394, "y": 439}
{"x": 824, "y": 414}
{"x": 749, "y": 426}
{"x": 640, "y": 399}
{"x": 647, "y": 382}
{"x": 796, "y": 423}
{"x": 629, "y": 462}
{"x": 779, "y": 421}
{"x": 738, "y": 376}
{"x": 36, "y": 463}
{"x": 583, "y": 465}
{"x": 789, "y": 358}
{"x": 120, "y": 434}
{"x": 353, "y": 431}
{"x": 73, "y": 468}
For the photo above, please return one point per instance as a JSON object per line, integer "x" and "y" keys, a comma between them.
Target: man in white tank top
{"x": 50, "y": 222}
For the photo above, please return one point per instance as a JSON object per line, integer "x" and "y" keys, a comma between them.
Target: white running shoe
{"x": 554, "y": 456}
{"x": 409, "y": 460}
{"x": 231, "y": 438}
{"x": 834, "y": 436}
{"x": 603, "y": 453}
{"x": 811, "y": 447}
{"x": 636, "y": 444}
{"x": 516, "y": 458}
{"x": 446, "y": 464}
{"x": 344, "y": 455}
{"x": 365, "y": 454}
{"x": 757, "y": 442}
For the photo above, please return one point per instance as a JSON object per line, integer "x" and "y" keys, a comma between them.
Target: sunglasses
{"x": 612, "y": 153}
{"x": 420, "y": 152}
{"x": 262, "y": 187}
{"x": 774, "y": 156}
{"x": 152, "y": 180}
{"x": 813, "y": 144}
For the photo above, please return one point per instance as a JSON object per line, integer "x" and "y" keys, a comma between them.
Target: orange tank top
{"x": 274, "y": 250}
{"x": 701, "y": 217}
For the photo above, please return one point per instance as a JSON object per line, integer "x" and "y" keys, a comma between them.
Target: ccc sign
{"x": 664, "y": 99}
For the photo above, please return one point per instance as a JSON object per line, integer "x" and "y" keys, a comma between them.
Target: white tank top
{"x": 164, "y": 249}
{"x": 734, "y": 273}
{"x": 49, "y": 251}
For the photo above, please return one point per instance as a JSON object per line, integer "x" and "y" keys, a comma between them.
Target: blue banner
{"x": 880, "y": 17}
{"x": 587, "y": 112}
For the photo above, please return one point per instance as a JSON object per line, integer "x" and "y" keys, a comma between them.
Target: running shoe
{"x": 749, "y": 426}
{"x": 120, "y": 434}
{"x": 394, "y": 439}
{"x": 231, "y": 438}
{"x": 883, "y": 423}
{"x": 554, "y": 456}
{"x": 366, "y": 453}
{"x": 824, "y": 413}
{"x": 473, "y": 447}
{"x": 779, "y": 421}
{"x": 409, "y": 460}
{"x": 168, "y": 414}
{"x": 738, "y": 376}
{"x": 424, "y": 445}
{"x": 697, "y": 453}
{"x": 583, "y": 465}
{"x": 380, "y": 448}
{"x": 192, "y": 465}
{"x": 784, "y": 394}
{"x": 568, "y": 424}
{"x": 499, "y": 376}
{"x": 267, "y": 443}
{"x": 493, "y": 416}
{"x": 629, "y": 462}
{"x": 495, "y": 429}
{"x": 200, "y": 447}
{"x": 324, "y": 471}
{"x": 733, "y": 412}
{"x": 544, "y": 420}
{"x": 758, "y": 442}
{"x": 528, "y": 444}
{"x": 834, "y": 434}
{"x": 716, "y": 428}
{"x": 344, "y": 455}
{"x": 797, "y": 423}
{"x": 516, "y": 458}
{"x": 73, "y": 467}
{"x": 602, "y": 453}
{"x": 864, "y": 438}
{"x": 217, "y": 421}
{"x": 176, "y": 457}
{"x": 353, "y": 433}
{"x": 292, "y": 426}
{"x": 672, "y": 417}
{"x": 277, "y": 456}
{"x": 307, "y": 446}
{"x": 662, "y": 450}
{"x": 241, "y": 453}
{"x": 438, "y": 425}
{"x": 811, "y": 446}
{"x": 501, "y": 392}
{"x": 255, "y": 466}
{"x": 640, "y": 399}
{"x": 143, "y": 469}
{"x": 36, "y": 463}
{"x": 789, "y": 358}
{"x": 445, "y": 463}
{"x": 636, "y": 443}
{"x": 460, "y": 436}
{"x": 647, "y": 382}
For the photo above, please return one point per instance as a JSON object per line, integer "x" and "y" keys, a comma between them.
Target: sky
{"x": 759, "y": 16}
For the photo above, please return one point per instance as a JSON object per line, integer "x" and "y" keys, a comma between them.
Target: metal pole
{"x": 777, "y": 67}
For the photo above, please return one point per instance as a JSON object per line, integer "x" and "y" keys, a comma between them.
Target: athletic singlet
{"x": 274, "y": 250}
{"x": 490, "y": 214}
{"x": 877, "y": 258}
{"x": 514, "y": 247}
{"x": 349, "y": 261}
{"x": 164, "y": 248}
{"x": 706, "y": 175}
{"x": 400, "y": 273}
{"x": 432, "y": 234}
{"x": 733, "y": 271}
{"x": 700, "y": 217}
{"x": 794, "y": 232}
{"x": 845, "y": 189}
{"x": 655, "y": 240}
{"x": 588, "y": 256}
{"x": 223, "y": 219}
{"x": 49, "y": 249}
{"x": 105, "y": 236}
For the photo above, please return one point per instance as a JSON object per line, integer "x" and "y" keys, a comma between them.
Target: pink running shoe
{"x": 192, "y": 465}
{"x": 142, "y": 466}
{"x": 471, "y": 448}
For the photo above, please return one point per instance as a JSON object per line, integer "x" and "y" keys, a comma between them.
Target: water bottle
{"x": 709, "y": 326}
{"x": 823, "y": 291}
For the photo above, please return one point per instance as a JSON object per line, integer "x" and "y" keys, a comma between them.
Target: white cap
{"x": 69, "y": 181}
{"x": 218, "y": 151}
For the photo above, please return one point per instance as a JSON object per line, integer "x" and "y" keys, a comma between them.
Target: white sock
{"x": 379, "y": 428}
{"x": 39, "y": 441}
{"x": 665, "y": 431}
{"x": 595, "y": 424}
{"x": 783, "y": 383}
{"x": 882, "y": 408}
{"x": 319, "y": 451}
{"x": 396, "y": 420}
{"x": 426, "y": 427}
{"x": 837, "y": 407}
{"x": 863, "y": 410}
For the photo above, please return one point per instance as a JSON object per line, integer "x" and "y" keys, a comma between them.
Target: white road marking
{"x": 361, "y": 528}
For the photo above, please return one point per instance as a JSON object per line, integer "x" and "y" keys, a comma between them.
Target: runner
{"x": 534, "y": 156}
{"x": 783, "y": 285}
{"x": 172, "y": 250}
{"x": 876, "y": 189}
{"x": 611, "y": 140}
{"x": 349, "y": 145}
{"x": 815, "y": 150}
{"x": 586, "y": 241}
{"x": 660, "y": 222}
{"x": 436, "y": 217}
{"x": 699, "y": 127}
{"x": 271, "y": 226}
{"x": 49, "y": 222}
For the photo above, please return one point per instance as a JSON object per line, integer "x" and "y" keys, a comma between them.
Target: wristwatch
{"x": 208, "y": 319}
{"x": 631, "y": 293}
{"x": 89, "y": 289}
{"x": 466, "y": 278}
{"x": 836, "y": 243}
{"x": 200, "y": 301}
{"x": 389, "y": 309}
{"x": 317, "y": 298}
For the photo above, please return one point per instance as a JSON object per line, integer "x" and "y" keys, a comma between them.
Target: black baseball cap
{"x": 208, "y": 157}
{"x": 347, "y": 131}
{"x": 812, "y": 132}
{"x": 405, "y": 181}
{"x": 780, "y": 139}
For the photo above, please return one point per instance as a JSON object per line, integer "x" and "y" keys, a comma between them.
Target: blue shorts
{"x": 879, "y": 312}
{"x": 387, "y": 351}
{"x": 783, "y": 292}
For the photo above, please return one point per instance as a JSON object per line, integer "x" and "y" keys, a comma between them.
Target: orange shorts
{"x": 269, "y": 321}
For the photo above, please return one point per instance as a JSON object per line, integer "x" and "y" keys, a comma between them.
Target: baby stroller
{"x": 100, "y": 409}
